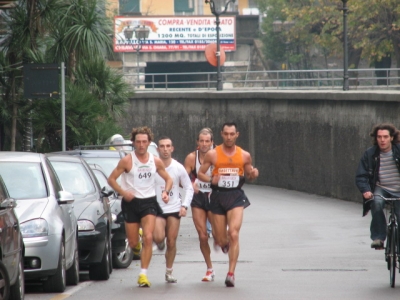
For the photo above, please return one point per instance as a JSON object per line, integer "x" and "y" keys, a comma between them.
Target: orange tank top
{"x": 230, "y": 169}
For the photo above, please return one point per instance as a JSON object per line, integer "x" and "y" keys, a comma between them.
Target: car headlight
{"x": 85, "y": 225}
{"x": 34, "y": 228}
{"x": 113, "y": 217}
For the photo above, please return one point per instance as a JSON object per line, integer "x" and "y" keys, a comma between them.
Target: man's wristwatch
{"x": 166, "y": 191}
{"x": 185, "y": 207}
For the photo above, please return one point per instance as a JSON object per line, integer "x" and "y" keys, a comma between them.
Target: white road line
{"x": 72, "y": 291}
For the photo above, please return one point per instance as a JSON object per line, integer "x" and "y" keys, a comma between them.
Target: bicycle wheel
{"x": 393, "y": 255}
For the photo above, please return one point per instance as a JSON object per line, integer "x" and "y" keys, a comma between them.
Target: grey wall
{"x": 309, "y": 141}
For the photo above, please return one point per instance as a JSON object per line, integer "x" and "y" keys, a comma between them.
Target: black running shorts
{"x": 223, "y": 200}
{"x": 138, "y": 208}
{"x": 200, "y": 200}
{"x": 173, "y": 214}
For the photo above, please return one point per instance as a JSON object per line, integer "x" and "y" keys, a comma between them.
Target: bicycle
{"x": 392, "y": 241}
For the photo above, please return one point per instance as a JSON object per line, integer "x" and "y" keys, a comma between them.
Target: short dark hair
{"x": 229, "y": 124}
{"x": 142, "y": 130}
{"x": 393, "y": 132}
{"x": 164, "y": 137}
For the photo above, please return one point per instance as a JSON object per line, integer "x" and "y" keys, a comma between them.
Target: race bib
{"x": 228, "y": 181}
{"x": 173, "y": 193}
{"x": 203, "y": 186}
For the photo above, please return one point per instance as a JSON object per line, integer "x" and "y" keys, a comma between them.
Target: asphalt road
{"x": 293, "y": 246}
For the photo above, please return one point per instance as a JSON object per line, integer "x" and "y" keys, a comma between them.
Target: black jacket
{"x": 368, "y": 170}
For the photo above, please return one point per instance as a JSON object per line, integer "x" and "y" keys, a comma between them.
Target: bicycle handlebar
{"x": 386, "y": 199}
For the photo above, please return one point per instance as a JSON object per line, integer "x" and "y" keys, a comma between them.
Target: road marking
{"x": 324, "y": 270}
{"x": 72, "y": 291}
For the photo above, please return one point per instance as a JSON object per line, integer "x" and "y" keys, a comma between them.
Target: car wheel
{"x": 57, "y": 282}
{"x": 17, "y": 290}
{"x": 73, "y": 271}
{"x": 124, "y": 259}
{"x": 4, "y": 282}
{"x": 101, "y": 271}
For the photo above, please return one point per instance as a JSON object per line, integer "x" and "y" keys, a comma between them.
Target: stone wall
{"x": 309, "y": 141}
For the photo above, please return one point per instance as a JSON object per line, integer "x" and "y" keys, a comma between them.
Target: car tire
{"x": 124, "y": 259}
{"x": 57, "y": 282}
{"x": 17, "y": 290}
{"x": 4, "y": 282}
{"x": 101, "y": 271}
{"x": 73, "y": 271}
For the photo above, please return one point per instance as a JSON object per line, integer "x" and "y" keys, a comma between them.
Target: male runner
{"x": 200, "y": 202}
{"x": 227, "y": 199}
{"x": 139, "y": 204}
{"x": 167, "y": 224}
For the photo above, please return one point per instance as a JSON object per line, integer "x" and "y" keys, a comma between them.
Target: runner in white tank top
{"x": 200, "y": 202}
{"x": 139, "y": 205}
{"x": 167, "y": 224}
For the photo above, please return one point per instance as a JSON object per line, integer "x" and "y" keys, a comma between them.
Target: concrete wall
{"x": 309, "y": 141}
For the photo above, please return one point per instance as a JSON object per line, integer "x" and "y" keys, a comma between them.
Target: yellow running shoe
{"x": 138, "y": 249}
{"x": 143, "y": 281}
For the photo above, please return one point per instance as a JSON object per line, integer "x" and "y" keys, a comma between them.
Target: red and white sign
{"x": 189, "y": 33}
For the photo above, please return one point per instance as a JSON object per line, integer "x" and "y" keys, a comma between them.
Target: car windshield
{"x": 74, "y": 177}
{"x": 101, "y": 178}
{"x": 24, "y": 180}
{"x": 108, "y": 164}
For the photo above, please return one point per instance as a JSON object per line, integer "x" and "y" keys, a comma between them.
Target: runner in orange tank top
{"x": 227, "y": 200}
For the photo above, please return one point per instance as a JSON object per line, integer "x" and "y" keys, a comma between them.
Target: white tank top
{"x": 204, "y": 187}
{"x": 141, "y": 178}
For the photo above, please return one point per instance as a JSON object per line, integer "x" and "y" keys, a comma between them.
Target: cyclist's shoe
{"x": 230, "y": 280}
{"x": 143, "y": 281}
{"x": 161, "y": 246}
{"x": 170, "y": 278}
{"x": 209, "y": 276}
{"x": 377, "y": 244}
{"x": 225, "y": 249}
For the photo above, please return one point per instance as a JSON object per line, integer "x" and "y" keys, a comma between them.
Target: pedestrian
{"x": 378, "y": 174}
{"x": 200, "y": 203}
{"x": 231, "y": 165}
{"x": 167, "y": 224}
{"x": 139, "y": 203}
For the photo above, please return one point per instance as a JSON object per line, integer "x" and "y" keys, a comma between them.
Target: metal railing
{"x": 359, "y": 79}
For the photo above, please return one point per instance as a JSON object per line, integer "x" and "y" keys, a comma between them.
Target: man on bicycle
{"x": 378, "y": 174}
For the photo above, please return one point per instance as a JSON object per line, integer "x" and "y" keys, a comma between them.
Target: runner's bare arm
{"x": 209, "y": 159}
{"x": 250, "y": 172}
{"x": 189, "y": 163}
{"x": 123, "y": 166}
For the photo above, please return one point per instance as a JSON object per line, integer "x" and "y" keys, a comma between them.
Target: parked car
{"x": 11, "y": 249}
{"x": 47, "y": 222}
{"x": 93, "y": 212}
{"x": 122, "y": 254}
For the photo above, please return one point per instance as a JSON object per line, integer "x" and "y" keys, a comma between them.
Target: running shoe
{"x": 225, "y": 249}
{"x": 230, "y": 280}
{"x": 143, "y": 281}
{"x": 209, "y": 276}
{"x": 170, "y": 278}
{"x": 161, "y": 246}
{"x": 216, "y": 247}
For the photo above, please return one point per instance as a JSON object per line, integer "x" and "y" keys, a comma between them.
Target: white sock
{"x": 169, "y": 270}
{"x": 143, "y": 271}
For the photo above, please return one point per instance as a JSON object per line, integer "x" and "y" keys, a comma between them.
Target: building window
{"x": 183, "y": 7}
{"x": 127, "y": 7}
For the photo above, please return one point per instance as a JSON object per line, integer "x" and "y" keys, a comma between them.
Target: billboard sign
{"x": 177, "y": 33}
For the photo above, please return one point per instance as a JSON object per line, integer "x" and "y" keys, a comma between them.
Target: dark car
{"x": 92, "y": 211}
{"x": 122, "y": 253}
{"x": 11, "y": 249}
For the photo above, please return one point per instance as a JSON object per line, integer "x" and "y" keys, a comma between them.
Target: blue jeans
{"x": 208, "y": 226}
{"x": 378, "y": 222}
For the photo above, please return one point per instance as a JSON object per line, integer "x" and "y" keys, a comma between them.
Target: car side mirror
{"x": 65, "y": 197}
{"x": 8, "y": 203}
{"x": 106, "y": 192}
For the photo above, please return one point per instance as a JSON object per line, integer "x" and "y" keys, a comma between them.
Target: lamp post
{"x": 278, "y": 27}
{"x": 141, "y": 34}
{"x": 345, "y": 49}
{"x": 217, "y": 13}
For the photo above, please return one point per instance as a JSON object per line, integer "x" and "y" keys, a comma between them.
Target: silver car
{"x": 47, "y": 220}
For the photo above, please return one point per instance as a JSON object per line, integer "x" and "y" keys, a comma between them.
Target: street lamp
{"x": 345, "y": 49}
{"x": 141, "y": 34}
{"x": 213, "y": 6}
{"x": 278, "y": 27}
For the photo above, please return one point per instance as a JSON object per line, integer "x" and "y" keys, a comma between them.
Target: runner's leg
{"x": 172, "y": 230}
{"x": 148, "y": 225}
{"x": 199, "y": 219}
{"x": 132, "y": 234}
{"x": 235, "y": 218}
{"x": 159, "y": 230}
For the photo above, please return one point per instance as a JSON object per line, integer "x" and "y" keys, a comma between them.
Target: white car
{"x": 47, "y": 221}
